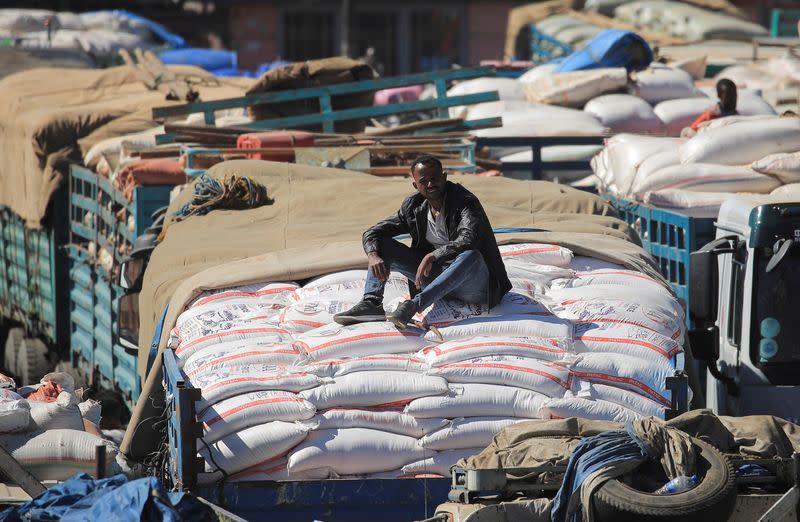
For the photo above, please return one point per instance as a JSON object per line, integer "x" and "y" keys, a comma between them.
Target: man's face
{"x": 429, "y": 182}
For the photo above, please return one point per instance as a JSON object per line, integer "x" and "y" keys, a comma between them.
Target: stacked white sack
{"x": 370, "y": 400}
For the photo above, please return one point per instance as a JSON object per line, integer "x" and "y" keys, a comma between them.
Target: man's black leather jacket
{"x": 468, "y": 228}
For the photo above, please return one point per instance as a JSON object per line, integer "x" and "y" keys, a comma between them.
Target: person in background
{"x": 453, "y": 251}
{"x": 726, "y": 92}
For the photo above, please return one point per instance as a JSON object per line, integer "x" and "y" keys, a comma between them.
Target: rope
{"x": 232, "y": 193}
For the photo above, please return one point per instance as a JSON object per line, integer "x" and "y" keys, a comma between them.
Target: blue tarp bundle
{"x": 112, "y": 499}
{"x": 209, "y": 59}
{"x": 170, "y": 39}
{"x": 611, "y": 48}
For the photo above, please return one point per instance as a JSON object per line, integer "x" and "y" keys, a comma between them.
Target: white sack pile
{"x": 289, "y": 395}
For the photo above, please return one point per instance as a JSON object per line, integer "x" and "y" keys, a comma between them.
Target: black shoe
{"x": 403, "y": 314}
{"x": 366, "y": 311}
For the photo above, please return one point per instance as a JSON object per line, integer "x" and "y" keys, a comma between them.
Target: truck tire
{"x": 32, "y": 363}
{"x": 712, "y": 499}
{"x": 15, "y": 337}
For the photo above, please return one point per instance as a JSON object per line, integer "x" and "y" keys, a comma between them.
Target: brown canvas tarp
{"x": 45, "y": 113}
{"x": 314, "y": 227}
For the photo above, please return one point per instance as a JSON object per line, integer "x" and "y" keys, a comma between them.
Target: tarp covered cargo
{"x": 314, "y": 227}
{"x": 50, "y": 117}
{"x": 611, "y": 48}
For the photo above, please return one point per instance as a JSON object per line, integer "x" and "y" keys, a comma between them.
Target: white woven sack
{"x": 783, "y": 166}
{"x": 354, "y": 451}
{"x": 447, "y": 311}
{"x": 91, "y": 410}
{"x": 253, "y": 332}
{"x": 657, "y": 299}
{"x": 626, "y": 152}
{"x": 506, "y": 88}
{"x": 239, "y": 450}
{"x": 396, "y": 286}
{"x": 220, "y": 383}
{"x": 537, "y": 72}
{"x": 677, "y": 114}
{"x": 642, "y": 376}
{"x": 787, "y": 191}
{"x": 655, "y": 163}
{"x": 249, "y": 409}
{"x": 213, "y": 318}
{"x": 705, "y": 177}
{"x": 461, "y": 350}
{"x": 743, "y": 143}
{"x": 609, "y": 313}
{"x": 681, "y": 198}
{"x": 733, "y": 120}
{"x": 587, "y": 264}
{"x": 623, "y": 277}
{"x": 387, "y": 362}
{"x": 626, "y": 340}
{"x": 640, "y": 404}
{"x": 537, "y": 253}
{"x": 58, "y": 454}
{"x": 507, "y": 326}
{"x": 63, "y": 413}
{"x": 267, "y": 292}
{"x": 15, "y": 412}
{"x": 441, "y": 462}
{"x": 475, "y": 400}
{"x": 376, "y": 419}
{"x": 656, "y": 85}
{"x": 624, "y": 113}
{"x": 532, "y": 374}
{"x": 373, "y": 389}
{"x": 592, "y": 409}
{"x": 314, "y": 313}
{"x": 238, "y": 353}
{"x": 273, "y": 469}
{"x": 537, "y": 123}
{"x": 574, "y": 89}
{"x": 536, "y": 278}
{"x": 470, "y": 432}
{"x": 334, "y": 341}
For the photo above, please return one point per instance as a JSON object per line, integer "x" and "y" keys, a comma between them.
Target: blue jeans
{"x": 465, "y": 278}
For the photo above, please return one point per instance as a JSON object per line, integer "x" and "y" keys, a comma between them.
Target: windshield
{"x": 775, "y": 328}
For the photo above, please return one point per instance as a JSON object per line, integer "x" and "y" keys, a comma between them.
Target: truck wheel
{"x": 712, "y": 499}
{"x": 32, "y": 361}
{"x": 15, "y": 336}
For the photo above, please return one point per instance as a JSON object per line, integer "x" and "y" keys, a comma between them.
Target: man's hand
{"x": 377, "y": 266}
{"x": 424, "y": 269}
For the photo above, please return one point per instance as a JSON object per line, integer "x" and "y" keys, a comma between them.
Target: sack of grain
{"x": 266, "y": 292}
{"x": 682, "y": 198}
{"x": 547, "y": 349}
{"x": 744, "y": 142}
{"x": 506, "y": 88}
{"x": 587, "y": 264}
{"x": 502, "y": 326}
{"x": 221, "y": 382}
{"x": 352, "y": 451}
{"x": 470, "y": 432}
{"x": 362, "y": 389}
{"x": 609, "y": 313}
{"x": 789, "y": 191}
{"x": 334, "y": 341}
{"x": 677, "y": 114}
{"x": 537, "y": 253}
{"x": 15, "y": 412}
{"x": 638, "y": 375}
{"x": 91, "y": 410}
{"x": 383, "y": 362}
{"x": 622, "y": 277}
{"x": 706, "y": 177}
{"x": 314, "y": 313}
{"x": 441, "y": 462}
{"x": 696, "y": 67}
{"x": 388, "y": 420}
{"x": 624, "y": 113}
{"x": 239, "y": 353}
{"x": 658, "y": 84}
{"x": 396, "y": 286}
{"x": 250, "y": 409}
{"x": 63, "y": 413}
{"x": 784, "y": 166}
{"x": 657, "y": 299}
{"x": 58, "y": 454}
{"x": 535, "y": 73}
{"x": 532, "y": 374}
{"x": 640, "y": 404}
{"x": 626, "y": 152}
{"x": 655, "y": 163}
{"x": 627, "y": 340}
{"x": 586, "y": 408}
{"x": 574, "y": 89}
{"x": 476, "y": 400}
{"x": 257, "y": 334}
{"x": 259, "y": 443}
{"x": 447, "y": 311}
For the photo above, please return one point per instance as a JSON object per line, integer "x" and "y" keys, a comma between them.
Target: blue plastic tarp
{"x": 112, "y": 499}
{"x": 611, "y": 48}
{"x": 209, "y": 59}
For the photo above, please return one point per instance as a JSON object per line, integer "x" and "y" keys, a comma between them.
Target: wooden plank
{"x": 14, "y": 471}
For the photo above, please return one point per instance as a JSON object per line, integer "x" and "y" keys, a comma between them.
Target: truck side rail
{"x": 537, "y": 166}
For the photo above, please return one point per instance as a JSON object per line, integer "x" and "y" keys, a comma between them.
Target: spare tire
{"x": 712, "y": 499}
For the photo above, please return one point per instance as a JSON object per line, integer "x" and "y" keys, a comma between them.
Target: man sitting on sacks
{"x": 726, "y": 92}
{"x": 453, "y": 251}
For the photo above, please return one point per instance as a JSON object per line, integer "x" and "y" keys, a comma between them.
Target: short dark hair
{"x": 725, "y": 85}
{"x": 428, "y": 161}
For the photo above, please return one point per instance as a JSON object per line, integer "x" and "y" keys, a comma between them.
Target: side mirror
{"x": 704, "y": 343}
{"x": 131, "y": 273}
{"x": 704, "y": 281}
{"x": 128, "y": 323}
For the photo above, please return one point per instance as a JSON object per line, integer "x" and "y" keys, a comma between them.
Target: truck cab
{"x": 745, "y": 309}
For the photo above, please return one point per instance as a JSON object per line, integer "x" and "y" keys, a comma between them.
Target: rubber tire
{"x": 32, "y": 361}
{"x": 15, "y": 337}
{"x": 711, "y": 500}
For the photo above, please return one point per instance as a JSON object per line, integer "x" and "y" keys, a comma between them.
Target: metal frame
{"x": 327, "y": 116}
{"x": 545, "y": 48}
{"x": 537, "y": 166}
